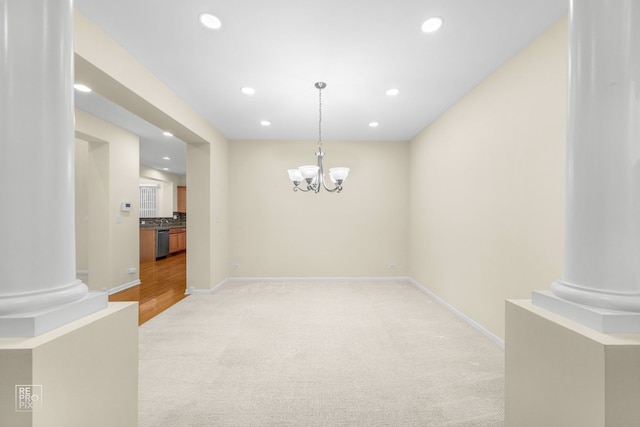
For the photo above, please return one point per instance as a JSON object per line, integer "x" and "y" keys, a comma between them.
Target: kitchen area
{"x": 163, "y": 250}
{"x": 164, "y": 236}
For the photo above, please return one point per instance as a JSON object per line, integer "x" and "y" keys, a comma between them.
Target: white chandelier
{"x": 312, "y": 174}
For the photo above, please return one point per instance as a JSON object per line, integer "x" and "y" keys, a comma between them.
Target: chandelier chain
{"x": 320, "y": 117}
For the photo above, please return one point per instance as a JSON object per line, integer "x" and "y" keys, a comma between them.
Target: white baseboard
{"x": 193, "y": 291}
{"x": 123, "y": 287}
{"x": 484, "y": 331}
{"x": 82, "y": 275}
{"x": 316, "y": 279}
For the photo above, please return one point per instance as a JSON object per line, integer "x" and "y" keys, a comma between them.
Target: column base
{"x": 39, "y": 322}
{"x": 600, "y": 319}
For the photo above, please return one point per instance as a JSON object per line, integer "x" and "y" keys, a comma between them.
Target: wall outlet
{"x": 132, "y": 270}
{"x": 392, "y": 266}
{"x": 236, "y": 266}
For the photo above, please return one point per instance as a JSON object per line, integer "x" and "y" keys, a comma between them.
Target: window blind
{"x": 148, "y": 200}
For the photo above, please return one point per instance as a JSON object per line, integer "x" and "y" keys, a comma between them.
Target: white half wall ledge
{"x": 560, "y": 373}
{"x": 38, "y": 322}
{"x": 596, "y": 318}
{"x": 87, "y": 371}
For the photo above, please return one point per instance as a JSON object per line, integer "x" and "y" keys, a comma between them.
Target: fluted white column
{"x": 37, "y": 224}
{"x": 602, "y": 224}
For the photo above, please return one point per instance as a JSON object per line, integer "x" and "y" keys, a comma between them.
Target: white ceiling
{"x": 360, "y": 48}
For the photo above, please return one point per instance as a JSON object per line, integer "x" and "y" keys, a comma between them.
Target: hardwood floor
{"x": 163, "y": 284}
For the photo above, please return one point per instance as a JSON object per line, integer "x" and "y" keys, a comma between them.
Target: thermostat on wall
{"x": 125, "y": 207}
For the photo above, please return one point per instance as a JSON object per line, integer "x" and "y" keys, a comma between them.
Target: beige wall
{"x": 199, "y": 268}
{"x": 275, "y": 232}
{"x": 487, "y": 187}
{"x": 219, "y": 208}
{"x": 112, "y": 177}
{"x": 113, "y": 73}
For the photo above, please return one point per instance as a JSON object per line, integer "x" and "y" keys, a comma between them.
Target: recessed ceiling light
{"x": 248, "y": 90}
{"x": 167, "y": 133}
{"x": 210, "y": 21}
{"x": 432, "y": 24}
{"x": 392, "y": 92}
{"x": 374, "y": 124}
{"x": 165, "y": 169}
{"x": 166, "y": 158}
{"x": 82, "y": 88}
{"x": 265, "y": 123}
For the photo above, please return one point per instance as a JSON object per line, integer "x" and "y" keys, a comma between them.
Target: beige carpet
{"x": 317, "y": 354}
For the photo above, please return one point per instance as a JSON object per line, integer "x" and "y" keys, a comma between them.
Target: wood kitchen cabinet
{"x": 173, "y": 243}
{"x": 177, "y": 240}
{"x": 182, "y": 199}
{"x": 147, "y": 245}
{"x": 182, "y": 241}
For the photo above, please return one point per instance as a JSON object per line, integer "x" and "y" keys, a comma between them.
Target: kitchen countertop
{"x": 158, "y": 227}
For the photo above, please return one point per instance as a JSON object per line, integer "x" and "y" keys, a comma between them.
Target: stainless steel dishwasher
{"x": 162, "y": 243}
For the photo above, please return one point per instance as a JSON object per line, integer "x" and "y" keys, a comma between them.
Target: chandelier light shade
{"x": 313, "y": 175}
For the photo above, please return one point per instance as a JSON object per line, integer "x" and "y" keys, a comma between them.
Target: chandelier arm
{"x": 338, "y": 188}
{"x": 302, "y": 189}
{"x": 320, "y": 156}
